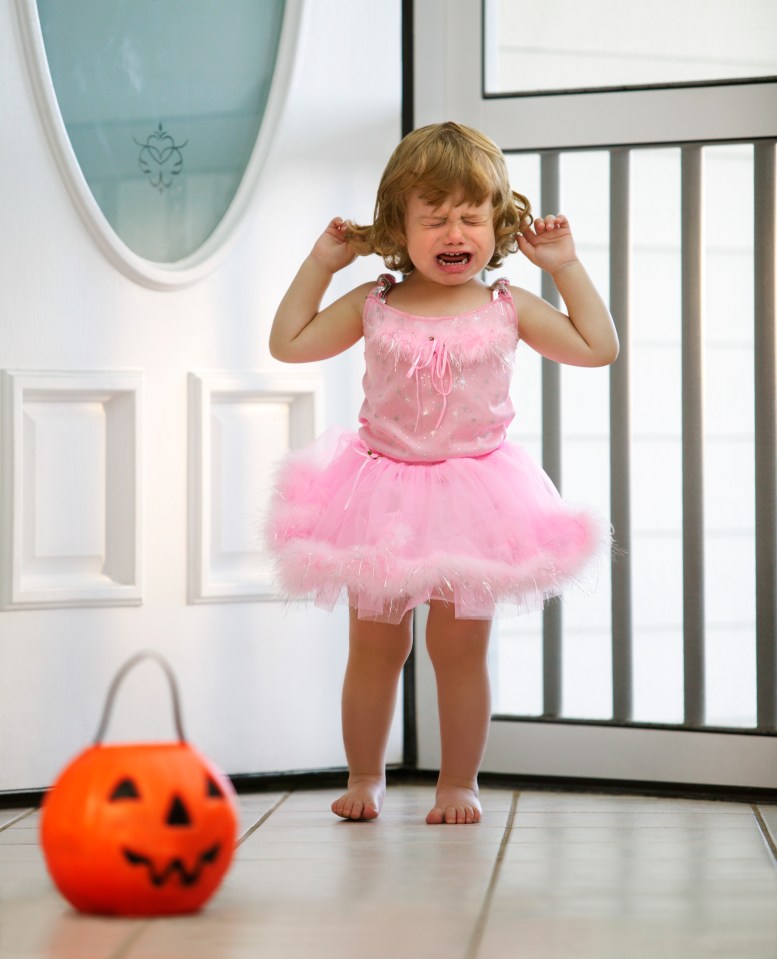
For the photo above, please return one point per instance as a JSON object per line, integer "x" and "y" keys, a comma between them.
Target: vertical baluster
{"x": 693, "y": 435}
{"x": 551, "y": 452}
{"x": 765, "y": 376}
{"x": 620, "y": 432}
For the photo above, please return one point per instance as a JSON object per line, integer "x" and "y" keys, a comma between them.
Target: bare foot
{"x": 455, "y": 805}
{"x": 363, "y": 800}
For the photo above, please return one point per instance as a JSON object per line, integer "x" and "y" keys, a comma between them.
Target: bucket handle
{"x": 114, "y": 688}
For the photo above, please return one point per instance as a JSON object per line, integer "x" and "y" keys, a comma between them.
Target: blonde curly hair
{"x": 441, "y": 160}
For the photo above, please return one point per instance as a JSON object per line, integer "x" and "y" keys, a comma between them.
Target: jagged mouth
{"x": 159, "y": 877}
{"x": 453, "y": 259}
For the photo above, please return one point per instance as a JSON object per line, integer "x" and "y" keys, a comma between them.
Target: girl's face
{"x": 450, "y": 243}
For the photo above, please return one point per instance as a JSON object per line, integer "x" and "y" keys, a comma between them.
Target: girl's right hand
{"x": 332, "y": 250}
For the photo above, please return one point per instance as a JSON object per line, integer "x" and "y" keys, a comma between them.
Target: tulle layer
{"x": 386, "y": 536}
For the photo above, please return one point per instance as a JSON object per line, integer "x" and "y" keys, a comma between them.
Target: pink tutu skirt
{"x": 386, "y": 535}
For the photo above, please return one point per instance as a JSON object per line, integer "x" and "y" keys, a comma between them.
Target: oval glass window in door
{"x": 162, "y": 101}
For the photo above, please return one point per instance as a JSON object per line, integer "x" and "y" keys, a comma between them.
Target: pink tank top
{"x": 437, "y": 387}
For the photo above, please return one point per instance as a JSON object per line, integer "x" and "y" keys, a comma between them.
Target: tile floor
{"x": 547, "y": 875}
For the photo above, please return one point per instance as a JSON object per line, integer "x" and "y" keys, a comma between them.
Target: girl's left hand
{"x": 548, "y": 243}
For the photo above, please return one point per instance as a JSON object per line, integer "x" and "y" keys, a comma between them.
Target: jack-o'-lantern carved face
{"x": 146, "y": 829}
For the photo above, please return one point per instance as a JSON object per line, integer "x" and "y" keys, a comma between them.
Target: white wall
{"x": 260, "y": 684}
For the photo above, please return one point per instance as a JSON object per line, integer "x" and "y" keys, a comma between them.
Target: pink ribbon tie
{"x": 368, "y": 455}
{"x": 440, "y": 373}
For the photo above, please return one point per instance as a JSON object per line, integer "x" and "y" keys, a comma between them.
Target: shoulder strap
{"x": 381, "y": 291}
{"x": 500, "y": 289}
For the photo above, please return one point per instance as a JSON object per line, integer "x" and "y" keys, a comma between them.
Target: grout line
{"x": 766, "y": 834}
{"x": 16, "y": 819}
{"x": 263, "y": 819}
{"x": 473, "y": 947}
{"x": 130, "y": 941}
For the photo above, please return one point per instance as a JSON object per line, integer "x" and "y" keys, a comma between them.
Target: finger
{"x": 557, "y": 222}
{"x": 551, "y": 222}
{"x": 337, "y": 229}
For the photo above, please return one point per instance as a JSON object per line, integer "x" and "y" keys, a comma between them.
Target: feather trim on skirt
{"x": 346, "y": 524}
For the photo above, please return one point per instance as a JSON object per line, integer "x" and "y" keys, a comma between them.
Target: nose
{"x": 454, "y": 232}
{"x": 178, "y": 814}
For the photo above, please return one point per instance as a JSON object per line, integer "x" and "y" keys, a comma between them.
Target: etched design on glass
{"x": 160, "y": 158}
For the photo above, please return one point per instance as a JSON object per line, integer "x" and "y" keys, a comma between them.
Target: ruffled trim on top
{"x": 488, "y": 332}
{"x": 488, "y": 340}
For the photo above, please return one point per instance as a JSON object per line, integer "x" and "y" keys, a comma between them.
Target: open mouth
{"x": 454, "y": 259}
{"x": 158, "y": 877}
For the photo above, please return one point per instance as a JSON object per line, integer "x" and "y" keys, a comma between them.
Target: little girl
{"x": 428, "y": 503}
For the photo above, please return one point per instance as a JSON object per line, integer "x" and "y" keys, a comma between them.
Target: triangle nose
{"x": 178, "y": 814}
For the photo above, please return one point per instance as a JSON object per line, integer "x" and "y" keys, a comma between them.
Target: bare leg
{"x": 377, "y": 653}
{"x": 458, "y": 649}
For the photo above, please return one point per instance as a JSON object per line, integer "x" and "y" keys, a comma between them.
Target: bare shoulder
{"x": 524, "y": 302}
{"x": 522, "y": 298}
{"x": 349, "y": 304}
{"x": 530, "y": 307}
{"x": 332, "y": 330}
{"x": 361, "y": 292}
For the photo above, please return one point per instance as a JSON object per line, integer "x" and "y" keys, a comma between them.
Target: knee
{"x": 385, "y": 646}
{"x": 461, "y": 643}
{"x": 392, "y": 654}
{"x": 446, "y": 654}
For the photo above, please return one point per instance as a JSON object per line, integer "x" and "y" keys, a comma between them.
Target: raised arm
{"x": 584, "y": 337}
{"x": 302, "y": 332}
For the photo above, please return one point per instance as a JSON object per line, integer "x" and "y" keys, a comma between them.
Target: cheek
{"x": 489, "y": 236}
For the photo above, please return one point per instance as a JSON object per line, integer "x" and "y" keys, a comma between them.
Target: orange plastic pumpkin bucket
{"x": 140, "y": 829}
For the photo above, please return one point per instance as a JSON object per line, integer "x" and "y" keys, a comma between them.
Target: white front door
{"x": 141, "y": 411}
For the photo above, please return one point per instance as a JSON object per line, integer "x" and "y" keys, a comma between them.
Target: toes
{"x": 453, "y": 816}
{"x": 347, "y": 808}
{"x": 458, "y": 815}
{"x": 353, "y": 809}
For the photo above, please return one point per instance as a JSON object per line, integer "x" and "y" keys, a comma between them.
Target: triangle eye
{"x": 125, "y": 789}
{"x": 214, "y": 791}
